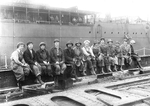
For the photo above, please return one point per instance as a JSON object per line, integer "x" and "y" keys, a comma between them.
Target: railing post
{"x": 144, "y": 51}
{"x": 6, "y": 61}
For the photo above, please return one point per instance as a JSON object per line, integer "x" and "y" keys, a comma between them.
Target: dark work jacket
{"x": 56, "y": 57}
{"x": 78, "y": 52}
{"x": 69, "y": 55}
{"x": 42, "y": 55}
{"x": 104, "y": 49}
{"x": 111, "y": 50}
{"x": 28, "y": 57}
{"x": 132, "y": 50}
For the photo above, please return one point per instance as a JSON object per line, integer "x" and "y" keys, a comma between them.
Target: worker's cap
{"x": 132, "y": 41}
{"x": 102, "y": 39}
{"x": 56, "y": 40}
{"x": 20, "y": 43}
{"x": 29, "y": 43}
{"x": 109, "y": 40}
{"x": 78, "y": 42}
{"x": 69, "y": 42}
{"x": 86, "y": 42}
{"x": 42, "y": 43}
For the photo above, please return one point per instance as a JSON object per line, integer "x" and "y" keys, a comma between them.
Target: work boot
{"x": 102, "y": 70}
{"x": 78, "y": 79}
{"x": 93, "y": 72}
{"x": 115, "y": 68}
{"x": 20, "y": 85}
{"x": 121, "y": 68}
{"x": 95, "y": 69}
{"x": 40, "y": 80}
{"x": 108, "y": 68}
{"x": 83, "y": 73}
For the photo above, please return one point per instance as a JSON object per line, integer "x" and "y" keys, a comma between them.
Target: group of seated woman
{"x": 100, "y": 54}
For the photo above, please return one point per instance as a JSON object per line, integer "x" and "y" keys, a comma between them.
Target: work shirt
{"x": 56, "y": 55}
{"x": 17, "y": 57}
{"x": 88, "y": 51}
{"x": 104, "y": 49}
{"x": 78, "y": 52}
{"x": 42, "y": 55}
{"x": 125, "y": 49}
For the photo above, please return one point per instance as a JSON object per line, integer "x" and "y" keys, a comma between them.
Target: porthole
{"x": 133, "y": 32}
{"x": 118, "y": 32}
{"x": 104, "y": 32}
{"x": 89, "y": 31}
{"x": 111, "y": 32}
{"x": 141, "y": 33}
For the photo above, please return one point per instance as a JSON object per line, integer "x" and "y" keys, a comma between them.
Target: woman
{"x": 18, "y": 65}
{"x": 89, "y": 57}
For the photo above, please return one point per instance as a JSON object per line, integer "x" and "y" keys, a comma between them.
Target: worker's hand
{"x": 36, "y": 63}
{"x": 25, "y": 64}
{"x": 57, "y": 62}
{"x": 45, "y": 62}
{"x": 74, "y": 59}
{"x": 61, "y": 62}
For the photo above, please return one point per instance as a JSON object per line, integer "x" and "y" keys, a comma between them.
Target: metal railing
{"x": 4, "y": 60}
{"x": 143, "y": 51}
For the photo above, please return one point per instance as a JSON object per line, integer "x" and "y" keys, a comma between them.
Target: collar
{"x": 42, "y": 50}
{"x": 18, "y": 50}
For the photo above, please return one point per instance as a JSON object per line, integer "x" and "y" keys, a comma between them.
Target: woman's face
{"x": 30, "y": 46}
{"x": 125, "y": 42}
{"x": 42, "y": 47}
{"x": 102, "y": 42}
{"x": 86, "y": 44}
{"x": 21, "y": 47}
{"x": 56, "y": 44}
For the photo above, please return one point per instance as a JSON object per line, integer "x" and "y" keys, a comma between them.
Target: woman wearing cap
{"x": 125, "y": 48}
{"x": 30, "y": 58}
{"x": 18, "y": 65}
{"x": 134, "y": 55}
{"x": 89, "y": 57}
{"x": 79, "y": 57}
{"x": 119, "y": 55}
{"x": 104, "y": 55}
{"x": 57, "y": 58}
{"x": 43, "y": 59}
{"x": 70, "y": 59}
{"x": 112, "y": 57}
{"x": 96, "y": 52}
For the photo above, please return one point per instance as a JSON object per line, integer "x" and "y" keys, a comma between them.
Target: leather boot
{"x": 83, "y": 73}
{"x": 121, "y": 68}
{"x": 93, "y": 71}
{"x": 20, "y": 85}
{"x": 115, "y": 68}
{"x": 102, "y": 70}
{"x": 40, "y": 80}
{"x": 108, "y": 68}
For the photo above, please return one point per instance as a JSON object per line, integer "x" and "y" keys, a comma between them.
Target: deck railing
{"x": 144, "y": 51}
{"x": 3, "y": 61}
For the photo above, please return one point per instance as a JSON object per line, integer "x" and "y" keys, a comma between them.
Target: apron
{"x": 17, "y": 69}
